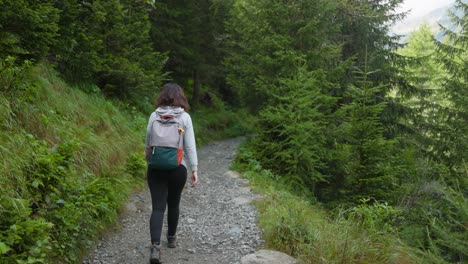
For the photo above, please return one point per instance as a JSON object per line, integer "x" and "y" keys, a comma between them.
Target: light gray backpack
{"x": 166, "y": 142}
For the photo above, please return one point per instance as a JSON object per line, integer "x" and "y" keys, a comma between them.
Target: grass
{"x": 297, "y": 225}
{"x": 68, "y": 161}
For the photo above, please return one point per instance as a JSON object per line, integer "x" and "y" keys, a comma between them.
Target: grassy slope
{"x": 68, "y": 160}
{"x": 293, "y": 224}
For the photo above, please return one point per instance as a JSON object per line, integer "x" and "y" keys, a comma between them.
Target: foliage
{"x": 365, "y": 143}
{"x": 375, "y": 216}
{"x": 435, "y": 196}
{"x": 136, "y": 166}
{"x": 268, "y": 40}
{"x": 359, "y": 165}
{"x": 189, "y": 31}
{"x": 295, "y": 224}
{"x": 290, "y": 140}
{"x": 434, "y": 221}
{"x": 12, "y": 84}
{"x": 92, "y": 42}
{"x": 365, "y": 27}
{"x": 60, "y": 179}
{"x": 427, "y": 102}
{"x": 27, "y": 28}
{"x": 22, "y": 237}
{"x": 112, "y": 48}
{"x": 451, "y": 144}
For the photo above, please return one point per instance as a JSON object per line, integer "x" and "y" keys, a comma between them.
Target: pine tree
{"x": 452, "y": 139}
{"x": 269, "y": 40}
{"x": 436, "y": 208}
{"x": 365, "y": 34}
{"x": 131, "y": 68}
{"x": 78, "y": 52}
{"x": 447, "y": 229}
{"x": 291, "y": 139}
{"x": 110, "y": 46}
{"x": 425, "y": 102}
{"x": 361, "y": 158}
{"x": 27, "y": 28}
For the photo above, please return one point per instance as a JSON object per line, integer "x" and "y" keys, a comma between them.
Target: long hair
{"x": 172, "y": 95}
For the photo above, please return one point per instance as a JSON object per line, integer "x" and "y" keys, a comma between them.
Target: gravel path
{"x": 217, "y": 222}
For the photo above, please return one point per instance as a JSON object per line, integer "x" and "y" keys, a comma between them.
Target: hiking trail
{"x": 217, "y": 221}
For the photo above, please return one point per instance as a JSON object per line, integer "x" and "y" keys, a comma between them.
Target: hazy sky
{"x": 422, "y": 7}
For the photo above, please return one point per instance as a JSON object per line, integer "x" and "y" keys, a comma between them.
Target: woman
{"x": 166, "y": 185}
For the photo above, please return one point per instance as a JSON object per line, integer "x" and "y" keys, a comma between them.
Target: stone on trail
{"x": 268, "y": 257}
{"x": 242, "y": 200}
{"x": 131, "y": 208}
{"x": 232, "y": 174}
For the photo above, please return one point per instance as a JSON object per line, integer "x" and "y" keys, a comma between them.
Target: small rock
{"x": 232, "y": 174}
{"x": 268, "y": 257}
{"x": 131, "y": 208}
{"x": 234, "y": 231}
{"x": 242, "y": 200}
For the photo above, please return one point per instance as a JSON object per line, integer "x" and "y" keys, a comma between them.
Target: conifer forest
{"x": 335, "y": 109}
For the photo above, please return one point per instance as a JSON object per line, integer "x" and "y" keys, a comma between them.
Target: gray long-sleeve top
{"x": 190, "y": 148}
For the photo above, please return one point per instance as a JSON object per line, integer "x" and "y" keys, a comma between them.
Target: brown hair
{"x": 172, "y": 95}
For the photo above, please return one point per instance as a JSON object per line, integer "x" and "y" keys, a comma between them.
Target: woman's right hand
{"x": 194, "y": 178}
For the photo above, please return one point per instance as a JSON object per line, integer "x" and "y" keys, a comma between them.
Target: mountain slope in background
{"x": 433, "y": 19}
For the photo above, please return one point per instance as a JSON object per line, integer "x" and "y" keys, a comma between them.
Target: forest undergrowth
{"x": 295, "y": 222}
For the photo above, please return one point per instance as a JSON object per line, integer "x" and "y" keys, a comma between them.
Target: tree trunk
{"x": 196, "y": 88}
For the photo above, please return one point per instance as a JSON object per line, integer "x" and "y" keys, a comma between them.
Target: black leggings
{"x": 165, "y": 187}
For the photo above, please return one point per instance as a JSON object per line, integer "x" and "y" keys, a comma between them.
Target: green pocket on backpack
{"x": 164, "y": 158}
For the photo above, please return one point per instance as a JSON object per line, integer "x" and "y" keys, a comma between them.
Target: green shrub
{"x": 135, "y": 166}
{"x": 435, "y": 221}
{"x": 374, "y": 215}
{"x": 22, "y": 239}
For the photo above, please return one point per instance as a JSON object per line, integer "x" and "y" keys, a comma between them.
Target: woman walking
{"x": 166, "y": 185}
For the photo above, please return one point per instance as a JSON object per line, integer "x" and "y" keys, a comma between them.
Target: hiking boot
{"x": 171, "y": 241}
{"x": 155, "y": 257}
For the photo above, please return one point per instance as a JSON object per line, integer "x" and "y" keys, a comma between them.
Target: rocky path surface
{"x": 217, "y": 222}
